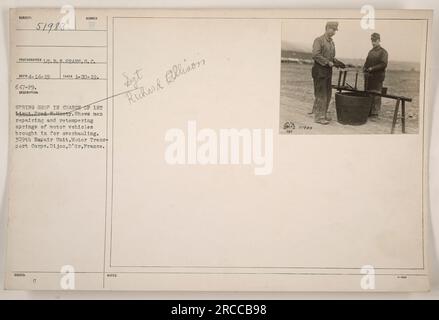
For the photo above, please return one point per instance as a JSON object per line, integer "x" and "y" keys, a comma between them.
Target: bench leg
{"x": 395, "y": 116}
{"x": 403, "y": 116}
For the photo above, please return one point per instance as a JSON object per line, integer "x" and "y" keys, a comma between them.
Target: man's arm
{"x": 339, "y": 64}
{"x": 317, "y": 53}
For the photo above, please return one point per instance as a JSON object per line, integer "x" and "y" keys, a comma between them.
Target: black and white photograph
{"x": 339, "y": 77}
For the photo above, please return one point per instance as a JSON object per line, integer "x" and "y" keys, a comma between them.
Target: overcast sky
{"x": 404, "y": 40}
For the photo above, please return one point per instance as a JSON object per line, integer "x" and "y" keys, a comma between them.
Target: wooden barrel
{"x": 353, "y": 107}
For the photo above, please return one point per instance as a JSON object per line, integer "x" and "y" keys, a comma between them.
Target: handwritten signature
{"x": 171, "y": 75}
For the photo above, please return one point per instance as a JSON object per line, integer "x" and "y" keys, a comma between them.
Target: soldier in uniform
{"x": 323, "y": 54}
{"x": 375, "y": 71}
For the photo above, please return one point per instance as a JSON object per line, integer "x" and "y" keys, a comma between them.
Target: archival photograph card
{"x": 218, "y": 150}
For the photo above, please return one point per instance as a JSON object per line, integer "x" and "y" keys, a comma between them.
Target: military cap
{"x": 332, "y": 24}
{"x": 375, "y": 36}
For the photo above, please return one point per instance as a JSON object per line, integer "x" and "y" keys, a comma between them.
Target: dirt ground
{"x": 297, "y": 98}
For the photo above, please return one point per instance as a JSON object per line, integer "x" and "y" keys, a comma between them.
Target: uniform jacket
{"x": 377, "y": 60}
{"x": 323, "y": 52}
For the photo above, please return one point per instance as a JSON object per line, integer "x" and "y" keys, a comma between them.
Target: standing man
{"x": 323, "y": 54}
{"x": 375, "y": 71}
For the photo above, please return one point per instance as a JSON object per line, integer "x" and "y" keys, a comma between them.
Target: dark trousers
{"x": 322, "y": 93}
{"x": 374, "y": 84}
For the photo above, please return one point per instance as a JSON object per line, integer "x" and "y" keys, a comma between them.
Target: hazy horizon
{"x": 298, "y": 35}
{"x": 288, "y": 48}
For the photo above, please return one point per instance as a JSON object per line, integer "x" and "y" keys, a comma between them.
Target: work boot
{"x": 322, "y": 121}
